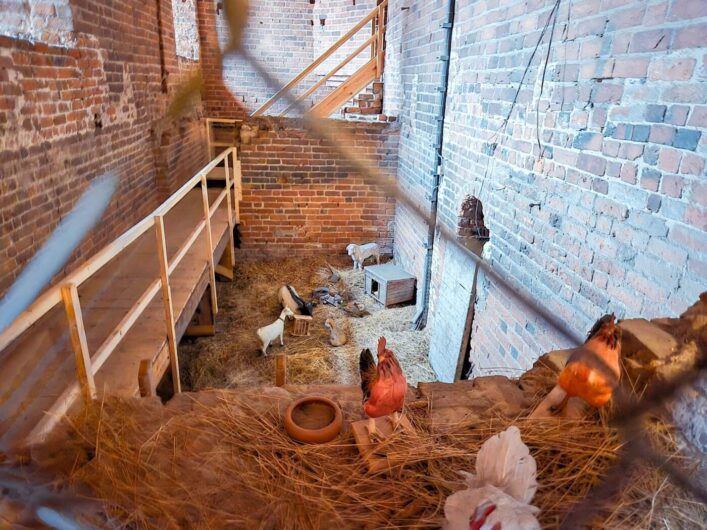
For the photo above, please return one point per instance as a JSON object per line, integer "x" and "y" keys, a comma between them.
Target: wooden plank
{"x": 167, "y": 300}
{"x": 186, "y": 246}
{"x": 84, "y": 372}
{"x": 237, "y": 190}
{"x": 209, "y": 243}
{"x": 126, "y": 323}
{"x": 348, "y": 89}
{"x": 231, "y": 249}
{"x": 380, "y": 52}
{"x": 217, "y": 202}
{"x": 202, "y": 323}
{"x": 280, "y": 369}
{"x": 146, "y": 379}
{"x": 331, "y": 73}
{"x": 53, "y": 296}
{"x": 319, "y": 60}
{"x": 380, "y": 456}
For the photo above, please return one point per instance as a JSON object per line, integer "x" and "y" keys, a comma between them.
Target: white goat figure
{"x": 359, "y": 253}
{"x": 269, "y": 333}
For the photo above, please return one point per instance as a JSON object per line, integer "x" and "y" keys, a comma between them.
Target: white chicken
{"x": 498, "y": 496}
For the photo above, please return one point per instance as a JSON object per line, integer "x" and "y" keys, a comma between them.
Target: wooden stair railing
{"x": 372, "y": 70}
{"x": 88, "y": 364}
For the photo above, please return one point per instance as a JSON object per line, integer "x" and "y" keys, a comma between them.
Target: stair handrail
{"x": 377, "y": 17}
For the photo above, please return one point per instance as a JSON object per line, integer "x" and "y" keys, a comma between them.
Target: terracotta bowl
{"x": 313, "y": 420}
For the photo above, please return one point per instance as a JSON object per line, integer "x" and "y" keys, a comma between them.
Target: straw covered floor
{"x": 231, "y": 358}
{"x": 221, "y": 459}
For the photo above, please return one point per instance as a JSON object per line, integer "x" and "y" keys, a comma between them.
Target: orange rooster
{"x": 384, "y": 386}
{"x": 592, "y": 371}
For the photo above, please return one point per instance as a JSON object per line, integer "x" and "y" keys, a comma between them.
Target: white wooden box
{"x": 389, "y": 284}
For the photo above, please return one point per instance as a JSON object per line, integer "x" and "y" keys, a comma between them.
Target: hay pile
{"x": 222, "y": 463}
{"x": 231, "y": 358}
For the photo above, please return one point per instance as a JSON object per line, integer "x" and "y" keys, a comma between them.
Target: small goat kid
{"x": 359, "y": 253}
{"x": 269, "y": 333}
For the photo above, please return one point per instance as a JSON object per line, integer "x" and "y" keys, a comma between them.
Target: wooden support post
{"x": 380, "y": 54}
{"x": 237, "y": 188}
{"x": 167, "y": 300}
{"x": 146, "y": 379}
{"x": 231, "y": 243}
{"x": 203, "y": 323}
{"x": 84, "y": 371}
{"x": 373, "y": 34}
{"x": 280, "y": 369}
{"x": 209, "y": 243}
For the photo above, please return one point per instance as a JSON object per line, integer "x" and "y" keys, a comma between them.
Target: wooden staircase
{"x": 371, "y": 71}
{"x": 367, "y": 105}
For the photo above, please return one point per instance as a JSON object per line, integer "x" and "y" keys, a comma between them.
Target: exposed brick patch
{"x": 299, "y": 197}
{"x": 72, "y": 109}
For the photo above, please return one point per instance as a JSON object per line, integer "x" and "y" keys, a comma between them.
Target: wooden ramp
{"x": 124, "y": 308}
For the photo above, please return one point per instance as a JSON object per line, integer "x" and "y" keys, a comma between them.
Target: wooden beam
{"x": 167, "y": 301}
{"x": 344, "y": 92}
{"x": 237, "y": 190}
{"x": 331, "y": 73}
{"x": 209, "y": 243}
{"x": 231, "y": 248}
{"x": 380, "y": 52}
{"x": 319, "y": 60}
{"x": 203, "y": 322}
{"x": 108, "y": 345}
{"x": 84, "y": 372}
{"x": 280, "y": 369}
{"x": 146, "y": 379}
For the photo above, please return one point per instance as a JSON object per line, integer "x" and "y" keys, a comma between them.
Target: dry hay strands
{"x": 230, "y": 464}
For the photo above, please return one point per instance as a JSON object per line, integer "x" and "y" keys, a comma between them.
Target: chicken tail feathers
{"x": 504, "y": 461}
{"x": 367, "y": 368}
{"x": 599, "y": 324}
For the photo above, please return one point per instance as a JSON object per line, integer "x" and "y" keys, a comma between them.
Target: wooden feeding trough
{"x": 301, "y": 326}
{"x": 389, "y": 284}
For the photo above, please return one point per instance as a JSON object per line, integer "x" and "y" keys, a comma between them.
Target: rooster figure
{"x": 384, "y": 386}
{"x": 498, "y": 496}
{"x": 592, "y": 371}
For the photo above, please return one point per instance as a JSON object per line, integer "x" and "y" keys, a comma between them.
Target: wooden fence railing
{"x": 66, "y": 292}
{"x": 368, "y": 72}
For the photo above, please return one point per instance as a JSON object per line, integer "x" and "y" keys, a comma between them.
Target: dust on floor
{"x": 232, "y": 357}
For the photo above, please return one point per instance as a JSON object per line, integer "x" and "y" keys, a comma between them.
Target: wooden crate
{"x": 380, "y": 456}
{"x": 389, "y": 284}
{"x": 301, "y": 326}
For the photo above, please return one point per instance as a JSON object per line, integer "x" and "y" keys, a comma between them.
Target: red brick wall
{"x": 79, "y": 107}
{"x": 300, "y": 198}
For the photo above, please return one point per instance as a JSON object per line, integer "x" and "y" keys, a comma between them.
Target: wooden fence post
{"x": 167, "y": 300}
{"x": 84, "y": 370}
{"x": 237, "y": 188}
{"x": 280, "y": 369}
{"x": 231, "y": 242}
{"x": 379, "y": 47}
{"x": 209, "y": 244}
